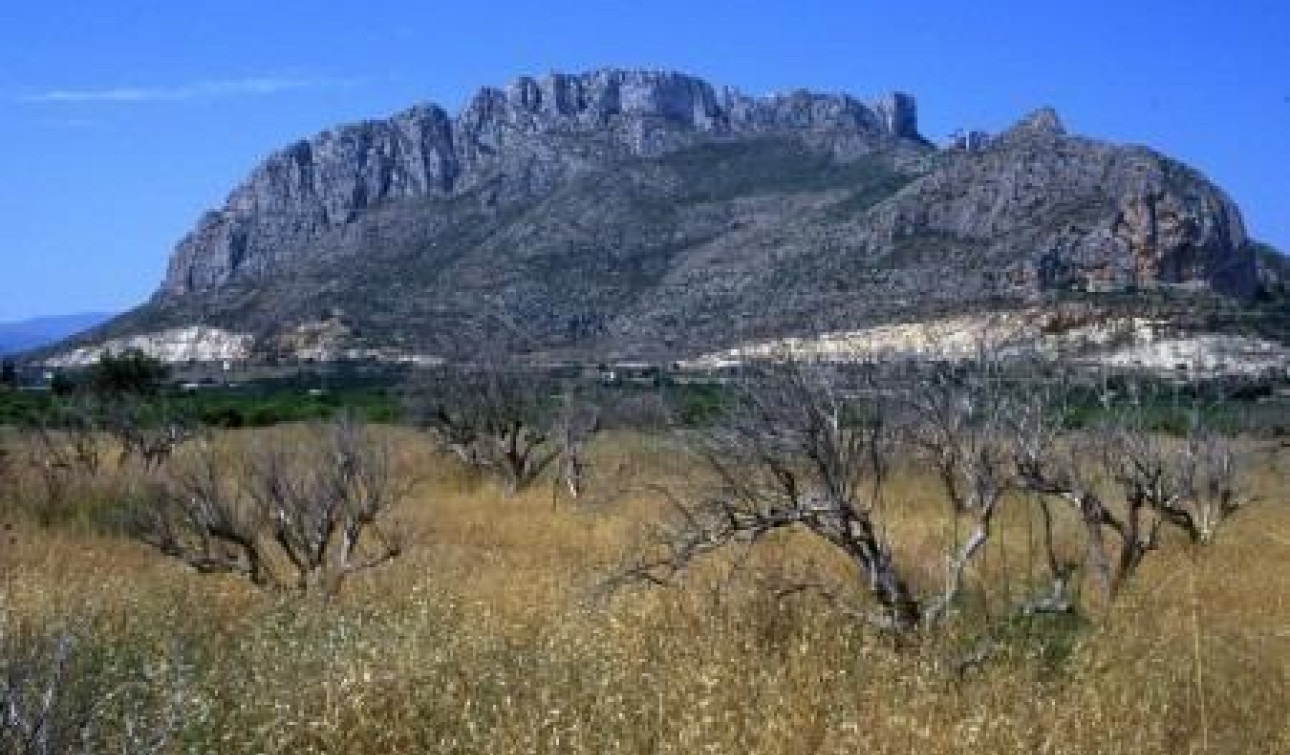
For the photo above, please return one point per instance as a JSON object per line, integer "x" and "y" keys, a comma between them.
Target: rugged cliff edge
{"x": 515, "y": 143}
{"x": 642, "y": 213}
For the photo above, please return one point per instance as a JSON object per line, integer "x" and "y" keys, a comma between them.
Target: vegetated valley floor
{"x": 483, "y": 638}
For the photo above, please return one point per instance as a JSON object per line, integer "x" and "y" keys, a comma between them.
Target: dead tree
{"x": 69, "y": 438}
{"x": 149, "y": 432}
{"x": 794, "y": 452}
{"x": 83, "y": 434}
{"x": 312, "y": 509}
{"x": 493, "y": 417}
{"x": 1051, "y": 463}
{"x": 1126, "y": 478}
{"x": 801, "y": 450}
{"x": 573, "y": 425}
{"x": 64, "y": 447}
{"x": 1212, "y": 489}
{"x": 957, "y": 421}
{"x": 67, "y": 445}
{"x": 204, "y": 517}
{"x": 322, "y": 506}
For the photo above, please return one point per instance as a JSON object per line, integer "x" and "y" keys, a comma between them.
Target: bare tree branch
{"x": 502, "y": 420}
{"x": 317, "y": 506}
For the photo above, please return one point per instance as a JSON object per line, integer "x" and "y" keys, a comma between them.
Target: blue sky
{"x": 121, "y": 121}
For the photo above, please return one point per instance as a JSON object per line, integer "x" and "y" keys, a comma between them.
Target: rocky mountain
{"x": 646, "y": 214}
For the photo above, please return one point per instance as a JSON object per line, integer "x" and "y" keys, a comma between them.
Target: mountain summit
{"x": 653, "y": 214}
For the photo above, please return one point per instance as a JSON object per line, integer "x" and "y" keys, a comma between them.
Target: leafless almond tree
{"x": 69, "y": 438}
{"x": 203, "y": 517}
{"x": 313, "y": 509}
{"x": 149, "y": 431}
{"x": 64, "y": 447}
{"x": 500, "y": 419}
{"x": 793, "y": 452}
{"x": 957, "y": 421}
{"x": 322, "y": 505}
{"x": 1124, "y": 478}
{"x": 805, "y": 447}
{"x": 573, "y": 425}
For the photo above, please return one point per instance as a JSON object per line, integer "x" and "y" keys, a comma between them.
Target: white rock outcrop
{"x": 195, "y": 343}
{"x": 1127, "y": 343}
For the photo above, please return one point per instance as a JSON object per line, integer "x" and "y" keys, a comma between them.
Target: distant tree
{"x": 130, "y": 371}
{"x": 493, "y": 416}
{"x": 8, "y": 374}
{"x": 149, "y": 430}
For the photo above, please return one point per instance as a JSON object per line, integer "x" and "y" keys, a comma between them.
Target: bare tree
{"x": 803, "y": 449}
{"x": 68, "y": 438}
{"x": 203, "y": 517}
{"x": 314, "y": 510}
{"x": 1128, "y": 479}
{"x": 958, "y": 421}
{"x": 493, "y": 417}
{"x": 1212, "y": 485}
{"x": 322, "y": 506}
{"x": 64, "y": 447}
{"x": 793, "y": 452}
{"x": 573, "y": 424}
{"x": 150, "y": 432}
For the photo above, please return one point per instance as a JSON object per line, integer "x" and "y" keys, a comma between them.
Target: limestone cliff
{"x": 523, "y": 139}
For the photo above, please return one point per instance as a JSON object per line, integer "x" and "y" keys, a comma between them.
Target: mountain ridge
{"x": 652, "y": 214}
{"x": 17, "y": 336}
{"x": 321, "y": 182}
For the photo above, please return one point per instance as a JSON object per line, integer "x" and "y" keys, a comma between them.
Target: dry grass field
{"x": 488, "y": 636}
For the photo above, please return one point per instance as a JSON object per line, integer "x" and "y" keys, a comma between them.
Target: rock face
{"x": 525, "y": 138}
{"x": 1063, "y": 212}
{"x": 652, "y": 214}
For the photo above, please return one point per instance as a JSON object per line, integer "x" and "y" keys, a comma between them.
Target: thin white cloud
{"x": 200, "y": 90}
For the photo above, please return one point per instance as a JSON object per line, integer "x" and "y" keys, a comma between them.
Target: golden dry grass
{"x": 480, "y": 639}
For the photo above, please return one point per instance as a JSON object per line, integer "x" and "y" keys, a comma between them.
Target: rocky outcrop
{"x": 1133, "y": 344}
{"x": 1174, "y": 238}
{"x": 521, "y": 140}
{"x": 1049, "y": 211}
{"x": 173, "y": 346}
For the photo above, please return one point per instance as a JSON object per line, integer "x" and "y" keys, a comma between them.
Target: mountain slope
{"x": 647, "y": 214}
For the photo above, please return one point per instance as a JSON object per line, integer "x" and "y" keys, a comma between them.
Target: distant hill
{"x": 648, "y": 214}
{"x": 24, "y": 335}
